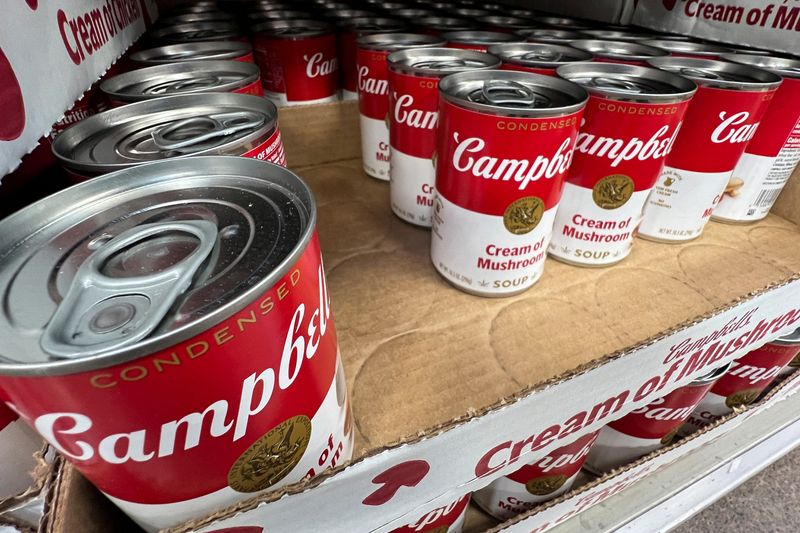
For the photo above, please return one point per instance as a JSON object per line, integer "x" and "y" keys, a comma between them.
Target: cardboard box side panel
{"x": 788, "y": 204}
{"x": 318, "y": 134}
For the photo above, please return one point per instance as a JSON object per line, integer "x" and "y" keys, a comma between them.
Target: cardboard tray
{"x": 445, "y": 381}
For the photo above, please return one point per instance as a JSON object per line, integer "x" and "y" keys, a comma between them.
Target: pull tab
{"x": 184, "y": 135}
{"x": 199, "y": 82}
{"x": 100, "y": 312}
{"x": 542, "y": 55}
{"x": 444, "y": 64}
{"x": 621, "y": 85}
{"x": 508, "y": 93}
{"x": 700, "y": 73}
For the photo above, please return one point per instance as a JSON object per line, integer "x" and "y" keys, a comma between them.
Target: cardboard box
{"x": 24, "y": 511}
{"x": 450, "y": 391}
{"x": 50, "y": 54}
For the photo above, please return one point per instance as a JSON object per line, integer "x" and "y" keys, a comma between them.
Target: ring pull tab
{"x": 620, "y": 84}
{"x": 700, "y": 73}
{"x": 185, "y": 135}
{"x": 444, "y": 64}
{"x": 542, "y": 55}
{"x": 510, "y": 93}
{"x": 101, "y": 312}
{"x": 199, "y": 82}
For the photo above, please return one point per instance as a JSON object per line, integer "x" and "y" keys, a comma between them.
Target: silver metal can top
{"x": 413, "y": 13}
{"x": 345, "y": 14}
{"x": 687, "y": 47}
{"x": 712, "y": 376}
{"x": 471, "y": 12}
{"x": 620, "y": 50}
{"x": 447, "y": 23}
{"x": 564, "y": 22}
{"x": 505, "y": 21}
{"x": 206, "y": 16}
{"x": 522, "y": 13}
{"x": 748, "y": 51}
{"x": 792, "y": 338}
{"x": 175, "y": 53}
{"x": 135, "y": 261}
{"x": 198, "y": 31}
{"x": 367, "y": 25}
{"x": 784, "y": 66}
{"x": 389, "y": 42}
{"x": 258, "y": 17}
{"x": 163, "y": 128}
{"x": 629, "y": 82}
{"x": 538, "y": 55}
{"x": 618, "y": 35}
{"x": 439, "y": 62}
{"x": 189, "y": 77}
{"x": 550, "y": 35}
{"x": 481, "y": 37}
{"x": 293, "y": 29}
{"x": 719, "y": 74}
{"x": 513, "y": 93}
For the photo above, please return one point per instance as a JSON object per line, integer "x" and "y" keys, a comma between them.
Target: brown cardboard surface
{"x": 419, "y": 353}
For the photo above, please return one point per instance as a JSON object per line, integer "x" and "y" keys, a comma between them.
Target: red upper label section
{"x": 778, "y": 121}
{"x": 755, "y": 370}
{"x": 565, "y": 461}
{"x": 347, "y": 50}
{"x": 625, "y": 138}
{"x": 373, "y": 84}
{"x": 304, "y": 69}
{"x": 718, "y": 125}
{"x": 487, "y": 161}
{"x": 442, "y": 517}
{"x": 662, "y": 416}
{"x": 413, "y": 114}
{"x": 168, "y": 427}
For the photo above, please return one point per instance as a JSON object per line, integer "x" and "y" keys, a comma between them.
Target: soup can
{"x": 201, "y": 51}
{"x": 541, "y": 58}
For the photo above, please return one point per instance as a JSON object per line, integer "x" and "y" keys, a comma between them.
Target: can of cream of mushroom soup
{"x": 201, "y": 51}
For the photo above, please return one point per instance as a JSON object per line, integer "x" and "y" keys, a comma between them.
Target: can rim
{"x": 394, "y": 59}
{"x": 689, "y": 47}
{"x": 686, "y": 87}
{"x": 114, "y": 86}
{"x": 769, "y": 80}
{"x": 317, "y": 27}
{"x": 165, "y": 32}
{"x": 499, "y": 49}
{"x": 711, "y": 376}
{"x": 786, "y": 67}
{"x": 576, "y": 91}
{"x": 481, "y": 37}
{"x": 790, "y": 339}
{"x": 98, "y": 190}
{"x": 640, "y": 52}
{"x": 383, "y": 41}
{"x": 226, "y": 50}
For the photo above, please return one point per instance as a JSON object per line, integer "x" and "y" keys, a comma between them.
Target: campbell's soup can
{"x": 629, "y": 127}
{"x": 478, "y": 40}
{"x": 298, "y": 61}
{"x": 373, "y": 94}
{"x": 178, "y": 318}
{"x": 744, "y": 382}
{"x": 541, "y": 58}
{"x": 191, "y": 77}
{"x": 625, "y": 52}
{"x": 648, "y": 428}
{"x": 535, "y": 483}
{"x": 18, "y": 443}
{"x": 413, "y": 123}
{"x": 447, "y": 519}
{"x": 200, "y": 51}
{"x": 196, "y": 32}
{"x": 440, "y": 25}
{"x": 349, "y": 31}
{"x": 688, "y": 48}
{"x": 725, "y": 113}
{"x": 774, "y": 151}
{"x": 171, "y": 127}
{"x": 550, "y": 35}
{"x": 506, "y": 142}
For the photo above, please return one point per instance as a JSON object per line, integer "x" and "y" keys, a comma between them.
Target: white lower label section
{"x": 755, "y": 185}
{"x": 680, "y": 204}
{"x": 349, "y": 95}
{"x": 506, "y": 498}
{"x": 411, "y": 188}
{"x": 613, "y": 449}
{"x": 327, "y": 426}
{"x": 280, "y": 100}
{"x": 587, "y": 234}
{"x": 18, "y": 443}
{"x": 375, "y": 147}
{"x": 476, "y": 253}
{"x": 708, "y": 411}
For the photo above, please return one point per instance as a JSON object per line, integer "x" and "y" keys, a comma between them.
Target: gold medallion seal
{"x": 612, "y": 191}
{"x": 272, "y": 456}
{"x": 743, "y": 397}
{"x": 523, "y": 215}
{"x": 666, "y": 439}
{"x": 542, "y": 486}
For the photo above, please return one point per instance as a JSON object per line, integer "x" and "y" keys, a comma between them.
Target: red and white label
{"x": 619, "y": 154}
{"x": 547, "y": 478}
{"x": 252, "y": 88}
{"x": 743, "y": 383}
{"x": 413, "y": 124}
{"x": 373, "y": 105}
{"x": 256, "y": 400}
{"x": 298, "y": 71}
{"x": 769, "y": 160}
{"x": 347, "y": 52}
{"x": 270, "y": 150}
{"x": 718, "y": 126}
{"x": 447, "y": 519}
{"x": 498, "y": 183}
